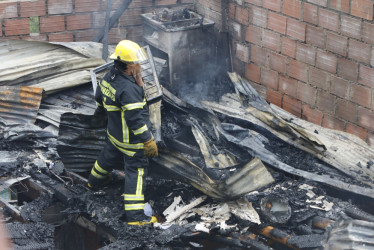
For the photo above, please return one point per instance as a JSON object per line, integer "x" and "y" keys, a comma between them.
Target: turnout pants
{"x": 136, "y": 170}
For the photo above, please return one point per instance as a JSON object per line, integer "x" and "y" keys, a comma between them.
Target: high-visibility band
{"x": 125, "y": 129}
{"x": 125, "y": 145}
{"x": 133, "y": 197}
{"x": 140, "y": 130}
{"x": 107, "y": 90}
{"x": 127, "y": 152}
{"x": 137, "y": 206}
{"x": 99, "y": 104}
{"x": 111, "y": 108}
{"x": 99, "y": 169}
{"x": 98, "y": 176}
{"x": 135, "y": 105}
{"x": 139, "y": 185}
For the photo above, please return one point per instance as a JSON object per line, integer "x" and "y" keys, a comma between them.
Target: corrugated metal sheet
{"x": 51, "y": 66}
{"x": 20, "y": 104}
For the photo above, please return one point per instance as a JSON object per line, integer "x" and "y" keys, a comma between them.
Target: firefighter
{"x": 129, "y": 139}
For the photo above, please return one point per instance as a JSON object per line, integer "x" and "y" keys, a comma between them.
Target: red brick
{"x": 319, "y": 78}
{"x": 261, "y": 90}
{"x": 78, "y": 22}
{"x": 278, "y": 62}
{"x": 35, "y": 37}
{"x": 117, "y": 34}
{"x": 271, "y": 40}
{"x": 347, "y": 69}
{"x": 367, "y": 32}
{"x": 8, "y": 10}
{"x": 258, "y": 16}
{"x": 13, "y": 27}
{"x": 166, "y": 2}
{"x": 292, "y": 105}
{"x": 148, "y": 3}
{"x": 98, "y": 19}
{"x": 216, "y": 6}
{"x": 135, "y": 34}
{"x": 242, "y": 52}
{"x": 336, "y": 43}
{"x": 372, "y": 57}
{"x": 60, "y": 7}
{"x": 87, "y": 5}
{"x": 253, "y": 34}
{"x": 346, "y": 110}
{"x": 235, "y": 30}
{"x": 328, "y": 19}
{"x": 252, "y": 72}
{"x": 366, "y": 118}
{"x": 255, "y": 2}
{"x": 326, "y": 61}
{"x": 241, "y": 15}
{"x": 332, "y": 123}
{"x": 52, "y": 24}
{"x": 340, "y": 5}
{"x": 274, "y": 97}
{"x": 61, "y": 37}
{"x": 319, "y": 2}
{"x": 269, "y": 78}
{"x": 305, "y": 53}
{"x": 339, "y": 87}
{"x": 366, "y": 76}
{"x": 272, "y": 5}
{"x": 306, "y": 93}
{"x": 311, "y": 115}
{"x": 362, "y": 8}
{"x": 298, "y": 70}
{"x": 258, "y": 55}
{"x": 356, "y": 130}
{"x": 288, "y": 47}
{"x": 351, "y": 27}
{"x": 359, "y": 51}
{"x": 326, "y": 102}
{"x": 310, "y": 13}
{"x": 85, "y": 35}
{"x": 232, "y": 10}
{"x": 288, "y": 86}
{"x": 361, "y": 95}
{"x": 292, "y": 8}
{"x": 315, "y": 36}
{"x": 277, "y": 22}
{"x": 32, "y": 8}
{"x": 296, "y": 29}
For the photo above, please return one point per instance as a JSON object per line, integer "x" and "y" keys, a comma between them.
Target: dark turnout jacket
{"x": 128, "y": 116}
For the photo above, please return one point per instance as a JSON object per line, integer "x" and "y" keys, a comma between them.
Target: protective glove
{"x": 150, "y": 148}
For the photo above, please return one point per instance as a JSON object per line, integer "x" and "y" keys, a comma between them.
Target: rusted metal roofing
{"x": 51, "y": 66}
{"x": 20, "y": 104}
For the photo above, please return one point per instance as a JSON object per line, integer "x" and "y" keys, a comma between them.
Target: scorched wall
{"x": 313, "y": 58}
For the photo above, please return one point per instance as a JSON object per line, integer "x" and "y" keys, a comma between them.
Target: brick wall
{"x": 75, "y": 20}
{"x": 313, "y": 58}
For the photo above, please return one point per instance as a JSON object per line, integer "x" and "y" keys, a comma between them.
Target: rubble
{"x": 233, "y": 172}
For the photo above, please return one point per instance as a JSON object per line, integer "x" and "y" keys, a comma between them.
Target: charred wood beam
{"x": 320, "y": 222}
{"x": 11, "y": 209}
{"x": 292, "y": 241}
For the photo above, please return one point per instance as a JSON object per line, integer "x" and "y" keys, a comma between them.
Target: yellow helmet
{"x": 129, "y": 52}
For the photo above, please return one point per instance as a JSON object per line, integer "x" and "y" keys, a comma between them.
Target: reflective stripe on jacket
{"x": 128, "y": 117}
